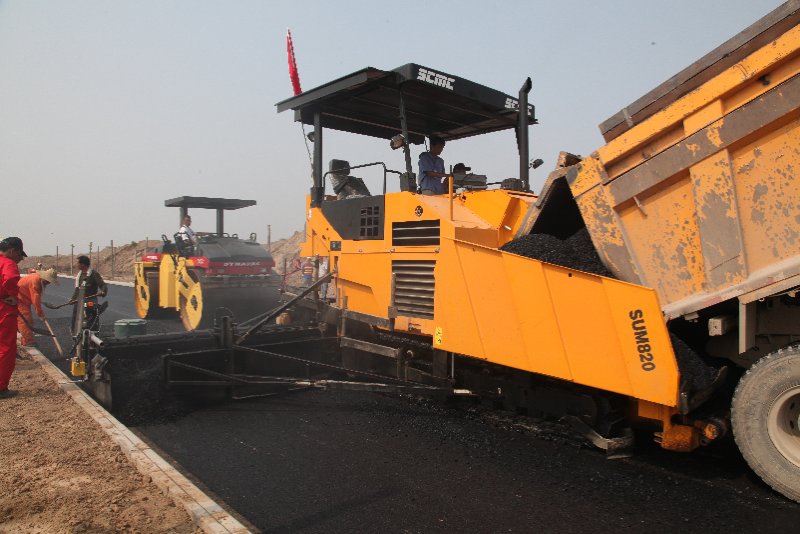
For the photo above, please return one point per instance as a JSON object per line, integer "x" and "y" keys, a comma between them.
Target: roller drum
{"x": 145, "y": 294}
{"x": 208, "y": 298}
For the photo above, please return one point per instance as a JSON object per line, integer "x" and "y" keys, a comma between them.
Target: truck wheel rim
{"x": 783, "y": 425}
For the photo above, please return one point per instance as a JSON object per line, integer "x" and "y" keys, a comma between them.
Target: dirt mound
{"x": 112, "y": 265}
{"x": 286, "y": 253}
{"x": 118, "y": 264}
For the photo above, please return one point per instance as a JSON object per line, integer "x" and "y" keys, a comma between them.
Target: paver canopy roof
{"x": 367, "y": 102}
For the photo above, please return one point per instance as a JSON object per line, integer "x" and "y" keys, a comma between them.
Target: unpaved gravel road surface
{"x": 61, "y": 473}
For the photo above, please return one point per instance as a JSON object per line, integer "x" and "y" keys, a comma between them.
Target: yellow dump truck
{"x": 695, "y": 195}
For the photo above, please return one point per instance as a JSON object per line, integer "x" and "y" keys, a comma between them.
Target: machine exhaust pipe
{"x": 522, "y": 134}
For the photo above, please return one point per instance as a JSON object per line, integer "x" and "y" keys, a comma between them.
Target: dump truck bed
{"x": 699, "y": 200}
{"x": 762, "y": 32}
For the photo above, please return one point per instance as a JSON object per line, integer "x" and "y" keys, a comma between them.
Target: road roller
{"x": 218, "y": 273}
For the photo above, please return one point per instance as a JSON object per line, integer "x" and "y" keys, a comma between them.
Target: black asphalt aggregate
{"x": 319, "y": 461}
{"x": 575, "y": 252}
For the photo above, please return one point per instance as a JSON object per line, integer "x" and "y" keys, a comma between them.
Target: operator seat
{"x": 184, "y": 247}
{"x": 345, "y": 186}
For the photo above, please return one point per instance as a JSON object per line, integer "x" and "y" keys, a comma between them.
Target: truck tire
{"x": 765, "y": 415}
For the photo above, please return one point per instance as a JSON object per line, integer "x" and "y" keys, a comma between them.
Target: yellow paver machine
{"x": 653, "y": 283}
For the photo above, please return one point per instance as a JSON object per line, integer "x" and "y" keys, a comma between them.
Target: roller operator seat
{"x": 183, "y": 246}
{"x": 344, "y": 185}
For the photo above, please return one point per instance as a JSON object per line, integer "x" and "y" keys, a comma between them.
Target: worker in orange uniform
{"x": 30, "y": 294}
{"x": 11, "y": 253}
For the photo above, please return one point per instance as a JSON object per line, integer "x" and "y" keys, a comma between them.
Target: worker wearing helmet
{"x": 11, "y": 253}
{"x": 307, "y": 270}
{"x": 30, "y": 294}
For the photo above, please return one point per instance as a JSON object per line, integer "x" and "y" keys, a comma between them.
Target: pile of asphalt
{"x": 575, "y": 252}
{"x": 695, "y": 374}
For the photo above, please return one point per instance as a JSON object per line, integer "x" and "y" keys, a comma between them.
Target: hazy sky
{"x": 107, "y": 108}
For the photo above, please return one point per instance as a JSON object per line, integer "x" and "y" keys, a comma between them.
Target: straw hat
{"x": 49, "y": 275}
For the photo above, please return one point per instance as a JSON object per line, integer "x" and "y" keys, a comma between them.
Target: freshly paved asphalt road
{"x": 318, "y": 461}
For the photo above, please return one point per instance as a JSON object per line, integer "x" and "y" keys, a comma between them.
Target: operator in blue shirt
{"x": 431, "y": 169}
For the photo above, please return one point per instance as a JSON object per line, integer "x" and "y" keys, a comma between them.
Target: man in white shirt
{"x": 323, "y": 270}
{"x": 186, "y": 232}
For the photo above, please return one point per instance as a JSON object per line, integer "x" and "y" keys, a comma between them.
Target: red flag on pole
{"x": 294, "y": 75}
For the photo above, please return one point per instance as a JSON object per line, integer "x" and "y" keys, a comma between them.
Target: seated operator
{"x": 345, "y": 186}
{"x": 432, "y": 178}
{"x": 459, "y": 173}
{"x": 189, "y": 236}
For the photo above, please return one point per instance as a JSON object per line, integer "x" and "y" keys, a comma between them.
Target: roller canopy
{"x": 219, "y": 204}
{"x": 208, "y": 203}
{"x": 367, "y": 102}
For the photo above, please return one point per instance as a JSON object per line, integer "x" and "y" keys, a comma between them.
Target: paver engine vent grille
{"x": 415, "y": 233}
{"x": 370, "y": 221}
{"x": 414, "y": 286}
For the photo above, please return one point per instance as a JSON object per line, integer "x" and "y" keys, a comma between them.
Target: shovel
{"x": 68, "y": 303}
{"x": 37, "y": 330}
{"x": 55, "y": 339}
